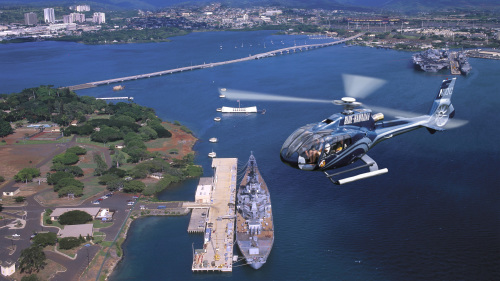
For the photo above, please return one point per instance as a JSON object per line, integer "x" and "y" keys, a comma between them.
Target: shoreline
{"x": 114, "y": 253}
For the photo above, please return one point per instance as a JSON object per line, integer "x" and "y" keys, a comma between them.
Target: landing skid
{"x": 369, "y": 162}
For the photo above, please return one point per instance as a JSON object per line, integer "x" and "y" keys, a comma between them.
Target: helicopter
{"x": 344, "y": 138}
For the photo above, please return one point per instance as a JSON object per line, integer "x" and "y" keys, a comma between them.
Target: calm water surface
{"x": 434, "y": 216}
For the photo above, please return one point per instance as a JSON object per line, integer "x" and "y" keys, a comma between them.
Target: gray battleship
{"x": 465, "y": 67}
{"x": 431, "y": 60}
{"x": 254, "y": 219}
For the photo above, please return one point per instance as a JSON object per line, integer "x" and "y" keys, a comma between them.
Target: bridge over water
{"x": 207, "y": 65}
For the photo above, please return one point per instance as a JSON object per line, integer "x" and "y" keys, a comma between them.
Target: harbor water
{"x": 434, "y": 216}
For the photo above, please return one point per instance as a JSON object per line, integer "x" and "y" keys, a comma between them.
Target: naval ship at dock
{"x": 254, "y": 219}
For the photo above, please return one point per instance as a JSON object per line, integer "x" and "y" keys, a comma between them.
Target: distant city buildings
{"x": 99, "y": 18}
{"x": 74, "y": 17}
{"x": 48, "y": 15}
{"x": 82, "y": 8}
{"x": 30, "y": 18}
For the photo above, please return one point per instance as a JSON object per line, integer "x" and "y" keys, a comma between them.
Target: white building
{"x": 82, "y": 8}
{"x": 74, "y": 17}
{"x": 48, "y": 15}
{"x": 8, "y": 267}
{"x": 204, "y": 191}
{"x": 99, "y": 18}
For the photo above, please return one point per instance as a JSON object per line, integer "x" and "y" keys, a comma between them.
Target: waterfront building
{"x": 204, "y": 190}
{"x": 99, "y": 18}
{"x": 30, "y": 18}
{"x": 48, "y": 15}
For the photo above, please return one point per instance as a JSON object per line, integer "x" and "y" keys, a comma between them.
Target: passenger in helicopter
{"x": 340, "y": 146}
{"x": 315, "y": 151}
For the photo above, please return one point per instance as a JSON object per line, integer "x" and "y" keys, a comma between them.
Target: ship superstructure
{"x": 254, "y": 219}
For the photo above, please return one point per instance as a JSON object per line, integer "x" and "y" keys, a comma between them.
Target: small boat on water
{"x": 213, "y": 140}
{"x": 223, "y": 89}
{"x": 222, "y": 96}
{"x": 219, "y": 109}
{"x": 217, "y": 119}
{"x": 118, "y": 88}
{"x": 212, "y": 154}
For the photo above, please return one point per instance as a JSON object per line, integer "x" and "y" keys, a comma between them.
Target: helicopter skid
{"x": 369, "y": 162}
{"x": 362, "y": 176}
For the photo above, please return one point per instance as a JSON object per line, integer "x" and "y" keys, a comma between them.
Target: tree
{"x": 116, "y": 184}
{"x": 67, "y": 182}
{"x": 2, "y": 179}
{"x": 19, "y": 199}
{"x": 75, "y": 190}
{"x": 67, "y": 243}
{"x": 101, "y": 165}
{"x": 5, "y": 128}
{"x": 44, "y": 239}
{"x": 32, "y": 259}
{"x": 57, "y": 176}
{"x": 74, "y": 217}
{"x": 67, "y": 158}
{"x": 27, "y": 174}
{"x": 118, "y": 158}
{"x": 134, "y": 187}
{"x": 77, "y": 150}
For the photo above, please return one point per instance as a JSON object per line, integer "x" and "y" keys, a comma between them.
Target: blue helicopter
{"x": 344, "y": 138}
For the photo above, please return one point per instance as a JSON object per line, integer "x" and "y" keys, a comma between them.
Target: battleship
{"x": 431, "y": 60}
{"x": 254, "y": 219}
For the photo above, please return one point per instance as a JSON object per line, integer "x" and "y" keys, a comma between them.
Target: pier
{"x": 207, "y": 65}
{"x": 217, "y": 252}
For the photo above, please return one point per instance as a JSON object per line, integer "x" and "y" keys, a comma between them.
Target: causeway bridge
{"x": 116, "y": 98}
{"x": 207, "y": 65}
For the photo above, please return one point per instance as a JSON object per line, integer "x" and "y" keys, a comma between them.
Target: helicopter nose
{"x": 291, "y": 160}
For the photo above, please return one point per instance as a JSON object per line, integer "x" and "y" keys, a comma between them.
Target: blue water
{"x": 434, "y": 216}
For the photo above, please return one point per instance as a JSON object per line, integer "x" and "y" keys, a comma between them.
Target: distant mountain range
{"x": 397, "y": 5}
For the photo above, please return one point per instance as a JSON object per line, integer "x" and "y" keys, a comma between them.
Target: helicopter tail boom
{"x": 442, "y": 110}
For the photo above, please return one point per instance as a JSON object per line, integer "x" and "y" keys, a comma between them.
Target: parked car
{"x": 135, "y": 196}
{"x": 15, "y": 235}
{"x": 109, "y": 195}
{"x": 96, "y": 202}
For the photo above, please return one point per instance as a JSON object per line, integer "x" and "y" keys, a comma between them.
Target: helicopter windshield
{"x": 306, "y": 148}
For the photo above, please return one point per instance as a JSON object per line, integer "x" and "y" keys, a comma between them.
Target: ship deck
{"x": 266, "y": 237}
{"x": 217, "y": 253}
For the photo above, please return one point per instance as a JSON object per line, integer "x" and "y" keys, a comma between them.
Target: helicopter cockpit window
{"x": 342, "y": 143}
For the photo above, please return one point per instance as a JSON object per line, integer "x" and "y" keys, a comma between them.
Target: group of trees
{"x": 33, "y": 258}
{"x": 61, "y": 106}
{"x": 63, "y": 179}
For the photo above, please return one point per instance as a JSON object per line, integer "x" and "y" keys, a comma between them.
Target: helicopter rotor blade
{"x": 245, "y": 95}
{"x": 357, "y": 86}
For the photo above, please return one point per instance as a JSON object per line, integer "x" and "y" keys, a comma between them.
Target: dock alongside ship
{"x": 217, "y": 252}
